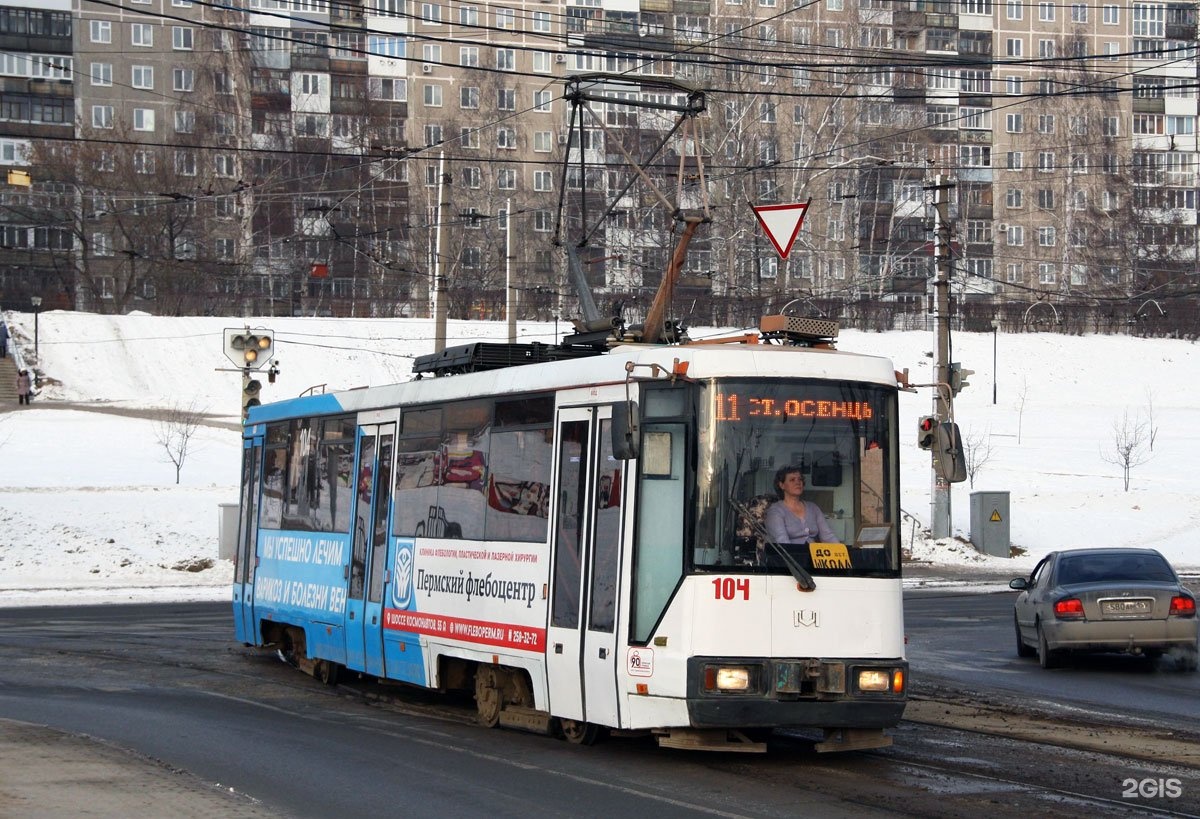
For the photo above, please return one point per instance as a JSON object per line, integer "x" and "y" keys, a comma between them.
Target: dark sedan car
{"x": 1091, "y": 600}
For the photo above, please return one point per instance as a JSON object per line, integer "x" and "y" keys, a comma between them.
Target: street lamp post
{"x": 995, "y": 327}
{"x": 36, "y": 301}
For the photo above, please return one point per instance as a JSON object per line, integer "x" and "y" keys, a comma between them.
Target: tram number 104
{"x": 728, "y": 588}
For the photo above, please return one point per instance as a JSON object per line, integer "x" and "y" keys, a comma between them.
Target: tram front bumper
{"x": 800, "y": 692}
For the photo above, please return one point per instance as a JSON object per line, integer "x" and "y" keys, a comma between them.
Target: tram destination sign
{"x": 738, "y": 406}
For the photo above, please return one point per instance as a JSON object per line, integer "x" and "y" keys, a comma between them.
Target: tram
{"x": 580, "y": 542}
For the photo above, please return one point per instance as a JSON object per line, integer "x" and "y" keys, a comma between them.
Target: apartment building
{"x": 306, "y": 156}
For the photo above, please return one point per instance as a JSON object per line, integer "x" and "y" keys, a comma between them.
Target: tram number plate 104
{"x": 731, "y": 588}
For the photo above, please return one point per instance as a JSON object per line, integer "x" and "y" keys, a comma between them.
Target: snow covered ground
{"x": 89, "y": 509}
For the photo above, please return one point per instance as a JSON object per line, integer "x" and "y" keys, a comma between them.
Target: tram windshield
{"x": 769, "y": 448}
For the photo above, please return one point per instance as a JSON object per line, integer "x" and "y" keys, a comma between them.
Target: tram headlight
{"x": 880, "y": 680}
{"x": 874, "y": 679}
{"x": 728, "y": 678}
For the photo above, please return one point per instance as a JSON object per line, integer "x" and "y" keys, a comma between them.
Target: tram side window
{"x": 274, "y": 476}
{"x": 416, "y": 483}
{"x": 464, "y": 469}
{"x": 307, "y": 475}
{"x": 658, "y": 555}
{"x": 518, "y": 485}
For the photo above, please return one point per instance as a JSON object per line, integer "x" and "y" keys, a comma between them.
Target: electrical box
{"x": 989, "y": 523}
{"x": 227, "y": 531}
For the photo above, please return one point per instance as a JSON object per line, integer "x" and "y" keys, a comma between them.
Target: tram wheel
{"x": 488, "y": 698}
{"x": 578, "y": 732}
{"x": 326, "y": 672}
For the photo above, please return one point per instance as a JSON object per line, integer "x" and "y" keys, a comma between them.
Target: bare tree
{"x": 1128, "y": 445}
{"x": 1151, "y": 427}
{"x": 977, "y": 448}
{"x": 174, "y": 432}
{"x": 1022, "y": 394}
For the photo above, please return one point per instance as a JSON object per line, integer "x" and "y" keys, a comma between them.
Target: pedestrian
{"x": 3, "y": 340}
{"x": 23, "y": 387}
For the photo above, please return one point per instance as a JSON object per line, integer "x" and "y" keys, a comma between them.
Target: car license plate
{"x": 1126, "y": 608}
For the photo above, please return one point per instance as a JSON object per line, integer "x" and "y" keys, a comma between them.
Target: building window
{"x": 506, "y": 99}
{"x": 141, "y": 34}
{"x": 102, "y": 116}
{"x": 1047, "y": 273}
{"x": 1046, "y": 123}
{"x": 1014, "y": 198}
{"x": 101, "y": 73}
{"x": 468, "y": 97}
{"x": 543, "y": 181}
{"x": 143, "y": 76}
{"x": 225, "y": 165}
{"x": 543, "y": 141}
{"x": 1015, "y": 236}
{"x": 468, "y": 57}
{"x": 471, "y": 177}
{"x": 506, "y": 59}
{"x": 468, "y": 15}
{"x": 1014, "y": 123}
{"x": 1014, "y": 9}
{"x": 506, "y": 138}
{"x": 102, "y": 244}
{"x": 432, "y": 95}
{"x": 182, "y": 38}
{"x": 183, "y": 79}
{"x": 1046, "y": 161}
{"x": 143, "y": 119}
{"x": 431, "y": 14}
{"x": 541, "y": 100}
{"x": 185, "y": 122}
{"x": 225, "y": 248}
{"x": 433, "y": 134}
{"x": 541, "y": 22}
{"x": 1014, "y": 47}
{"x": 185, "y": 163}
{"x": 143, "y": 162}
{"x": 100, "y": 31}
{"x": 505, "y": 19}
{"x": 506, "y": 179}
{"x": 1046, "y": 12}
{"x": 542, "y": 221}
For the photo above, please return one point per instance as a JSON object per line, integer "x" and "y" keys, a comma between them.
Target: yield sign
{"x": 782, "y": 223}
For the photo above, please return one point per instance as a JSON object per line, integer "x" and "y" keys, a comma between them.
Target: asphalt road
{"x": 169, "y": 683}
{"x": 966, "y": 640}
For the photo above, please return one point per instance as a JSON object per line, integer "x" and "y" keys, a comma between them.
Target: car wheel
{"x": 1022, "y": 649}
{"x": 1048, "y": 658}
{"x": 1188, "y": 659}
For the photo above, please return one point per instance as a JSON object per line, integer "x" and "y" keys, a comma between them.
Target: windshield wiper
{"x": 804, "y": 580}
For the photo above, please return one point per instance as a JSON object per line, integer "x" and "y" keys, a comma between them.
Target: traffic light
{"x": 958, "y": 377}
{"x": 251, "y": 387}
{"x": 249, "y": 348}
{"x": 927, "y": 427}
{"x": 951, "y": 460}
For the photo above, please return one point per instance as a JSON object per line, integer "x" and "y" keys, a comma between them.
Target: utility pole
{"x": 439, "y": 282}
{"x": 940, "y": 512}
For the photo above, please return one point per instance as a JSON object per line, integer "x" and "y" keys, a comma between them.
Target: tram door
{"x": 582, "y": 644}
{"x": 247, "y": 551}
{"x": 368, "y": 556}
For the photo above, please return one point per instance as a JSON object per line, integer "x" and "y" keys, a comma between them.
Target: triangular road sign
{"x": 782, "y": 223}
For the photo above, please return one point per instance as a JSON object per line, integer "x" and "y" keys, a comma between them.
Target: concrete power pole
{"x": 940, "y": 512}
{"x": 439, "y": 280}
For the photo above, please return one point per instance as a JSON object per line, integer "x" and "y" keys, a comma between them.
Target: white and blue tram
{"x": 580, "y": 543}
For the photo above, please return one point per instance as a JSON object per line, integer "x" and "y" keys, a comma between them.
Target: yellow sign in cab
{"x": 829, "y": 556}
